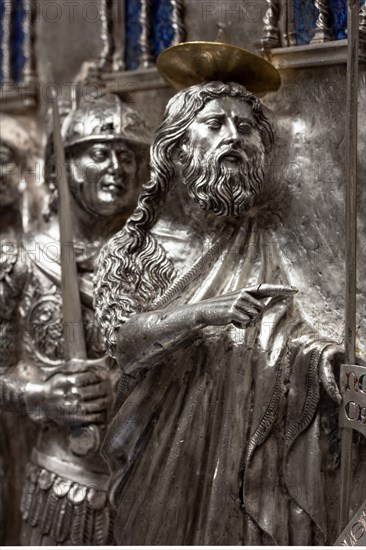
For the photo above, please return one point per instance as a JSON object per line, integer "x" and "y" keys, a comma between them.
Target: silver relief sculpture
{"x": 64, "y": 497}
{"x": 220, "y": 434}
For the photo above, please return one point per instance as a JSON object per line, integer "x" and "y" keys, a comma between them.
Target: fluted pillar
{"x": 177, "y": 21}
{"x": 29, "y": 67}
{"x": 363, "y": 21}
{"x": 271, "y": 36}
{"x": 106, "y": 16}
{"x": 146, "y": 59}
{"x": 119, "y": 34}
{"x": 290, "y": 27}
{"x": 5, "y": 45}
{"x": 322, "y": 30}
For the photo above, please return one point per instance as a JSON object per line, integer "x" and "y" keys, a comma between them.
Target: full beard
{"x": 226, "y": 189}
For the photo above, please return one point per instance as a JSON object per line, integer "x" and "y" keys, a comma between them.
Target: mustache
{"x": 230, "y": 151}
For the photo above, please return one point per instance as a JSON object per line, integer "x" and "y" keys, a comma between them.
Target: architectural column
{"x": 322, "y": 31}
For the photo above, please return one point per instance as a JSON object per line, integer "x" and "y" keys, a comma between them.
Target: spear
{"x": 351, "y": 240}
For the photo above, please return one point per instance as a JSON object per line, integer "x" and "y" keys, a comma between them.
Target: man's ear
{"x": 183, "y": 146}
{"x": 181, "y": 151}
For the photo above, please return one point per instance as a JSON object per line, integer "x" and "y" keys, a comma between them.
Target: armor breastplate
{"x": 41, "y": 313}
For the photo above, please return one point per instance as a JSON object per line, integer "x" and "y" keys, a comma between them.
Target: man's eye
{"x": 214, "y": 124}
{"x": 98, "y": 156}
{"x": 245, "y": 128}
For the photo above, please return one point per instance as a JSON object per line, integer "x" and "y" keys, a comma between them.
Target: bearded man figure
{"x": 218, "y": 442}
{"x": 65, "y": 498}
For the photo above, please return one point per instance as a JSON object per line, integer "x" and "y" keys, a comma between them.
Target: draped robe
{"x": 223, "y": 442}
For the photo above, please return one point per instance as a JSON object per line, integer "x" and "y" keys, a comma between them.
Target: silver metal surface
{"x": 314, "y": 55}
{"x": 322, "y": 31}
{"x": 178, "y": 21}
{"x": 119, "y": 35}
{"x": 182, "y": 306}
{"x": 290, "y": 31}
{"x": 75, "y": 347}
{"x": 146, "y": 60}
{"x": 355, "y": 532}
{"x": 351, "y": 136}
{"x": 271, "y": 35}
{"x": 5, "y": 45}
{"x": 112, "y": 35}
{"x": 304, "y": 239}
{"x": 353, "y": 387}
{"x": 363, "y": 21}
{"x": 106, "y": 56}
{"x": 18, "y": 151}
{"x": 29, "y": 69}
{"x": 65, "y": 389}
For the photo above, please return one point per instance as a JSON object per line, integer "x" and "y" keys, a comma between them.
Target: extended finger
{"x": 268, "y": 291}
{"x": 241, "y": 295}
{"x": 243, "y": 302}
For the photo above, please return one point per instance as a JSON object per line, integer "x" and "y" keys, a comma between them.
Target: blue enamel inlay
{"x": 338, "y": 10}
{"x": 162, "y": 32}
{"x": 17, "y": 40}
{"x": 305, "y": 15}
{"x": 2, "y": 11}
{"x": 133, "y": 31}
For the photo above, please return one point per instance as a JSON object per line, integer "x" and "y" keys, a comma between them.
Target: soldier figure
{"x": 65, "y": 493}
{"x": 17, "y": 151}
{"x": 15, "y": 144}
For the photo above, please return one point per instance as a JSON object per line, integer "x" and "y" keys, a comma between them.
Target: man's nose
{"x": 231, "y": 131}
{"x": 113, "y": 162}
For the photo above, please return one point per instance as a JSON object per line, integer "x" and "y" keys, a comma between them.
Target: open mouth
{"x": 232, "y": 156}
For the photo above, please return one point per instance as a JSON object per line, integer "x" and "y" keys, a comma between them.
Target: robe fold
{"x": 221, "y": 443}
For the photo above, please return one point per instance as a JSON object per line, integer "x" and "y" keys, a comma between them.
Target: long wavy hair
{"x": 134, "y": 268}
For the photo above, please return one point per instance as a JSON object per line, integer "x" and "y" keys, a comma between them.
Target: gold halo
{"x": 191, "y": 63}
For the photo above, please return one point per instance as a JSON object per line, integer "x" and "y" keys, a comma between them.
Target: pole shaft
{"x": 351, "y": 240}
